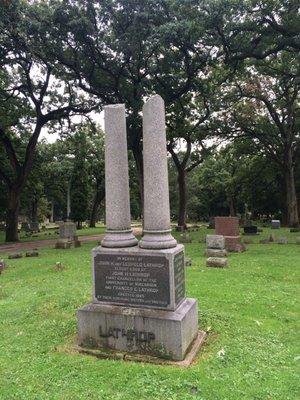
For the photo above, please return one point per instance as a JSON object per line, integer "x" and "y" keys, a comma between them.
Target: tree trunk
{"x": 231, "y": 206}
{"x": 34, "y": 210}
{"x": 291, "y": 196}
{"x": 99, "y": 196}
{"x": 181, "y": 179}
{"x": 12, "y": 215}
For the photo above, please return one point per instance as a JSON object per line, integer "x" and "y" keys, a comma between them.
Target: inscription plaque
{"x": 132, "y": 279}
{"x": 179, "y": 277}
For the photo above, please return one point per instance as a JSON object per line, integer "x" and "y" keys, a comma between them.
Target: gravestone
{"x": 217, "y": 262}
{"x": 67, "y": 235}
{"x": 139, "y": 303}
{"x": 229, "y": 228}
{"x": 216, "y": 251}
{"x": 250, "y": 230}
{"x": 34, "y": 226}
{"x": 275, "y": 224}
{"x": 282, "y": 240}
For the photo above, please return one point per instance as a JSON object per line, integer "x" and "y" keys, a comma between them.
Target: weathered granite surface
{"x": 215, "y": 253}
{"x": 118, "y": 223}
{"x": 157, "y": 228}
{"x": 139, "y": 277}
{"x": 217, "y": 262}
{"x": 215, "y": 242}
{"x": 166, "y": 334}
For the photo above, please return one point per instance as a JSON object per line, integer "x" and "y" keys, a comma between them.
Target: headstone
{"x": 250, "y": 230}
{"x": 139, "y": 302}
{"x": 15, "y": 255}
{"x": 229, "y": 228}
{"x": 282, "y": 240}
{"x": 215, "y": 251}
{"x": 275, "y": 224}
{"x": 34, "y": 226}
{"x": 32, "y": 253}
{"x": 67, "y": 230}
{"x": 216, "y": 262}
{"x": 215, "y": 242}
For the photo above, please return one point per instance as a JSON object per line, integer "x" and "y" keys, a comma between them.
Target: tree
{"x": 29, "y": 81}
{"x": 267, "y": 111}
{"x": 79, "y": 180}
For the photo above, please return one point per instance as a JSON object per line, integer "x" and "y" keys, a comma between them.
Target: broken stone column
{"x": 118, "y": 223}
{"x": 157, "y": 227}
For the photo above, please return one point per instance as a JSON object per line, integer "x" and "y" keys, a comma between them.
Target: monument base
{"x": 234, "y": 244}
{"x": 159, "y": 333}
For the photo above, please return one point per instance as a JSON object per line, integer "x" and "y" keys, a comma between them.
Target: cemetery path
{"x": 38, "y": 244}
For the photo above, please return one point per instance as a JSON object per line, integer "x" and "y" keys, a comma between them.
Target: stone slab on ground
{"x": 275, "y": 224}
{"x": 33, "y": 253}
{"x": 217, "y": 262}
{"x": 282, "y": 240}
{"x": 15, "y": 255}
{"x": 160, "y": 333}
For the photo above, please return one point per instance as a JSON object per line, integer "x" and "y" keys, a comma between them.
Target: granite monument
{"x": 138, "y": 302}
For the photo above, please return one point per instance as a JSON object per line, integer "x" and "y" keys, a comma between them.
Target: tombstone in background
{"x": 216, "y": 252}
{"x": 250, "y": 230}
{"x": 229, "y": 228}
{"x": 275, "y": 224}
{"x": 34, "y": 226}
{"x": 139, "y": 302}
{"x": 67, "y": 235}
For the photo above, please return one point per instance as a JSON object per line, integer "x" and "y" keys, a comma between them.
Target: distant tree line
{"x": 228, "y": 72}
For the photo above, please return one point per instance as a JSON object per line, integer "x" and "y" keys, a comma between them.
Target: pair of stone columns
{"x": 156, "y": 229}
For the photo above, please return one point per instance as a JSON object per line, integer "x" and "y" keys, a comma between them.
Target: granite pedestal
{"x": 139, "y": 303}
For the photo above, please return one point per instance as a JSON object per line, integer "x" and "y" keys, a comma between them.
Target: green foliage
{"x": 79, "y": 179}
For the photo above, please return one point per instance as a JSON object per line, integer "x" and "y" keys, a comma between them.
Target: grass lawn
{"x": 250, "y": 309}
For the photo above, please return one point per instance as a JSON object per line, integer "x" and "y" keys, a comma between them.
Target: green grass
{"x": 250, "y": 310}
